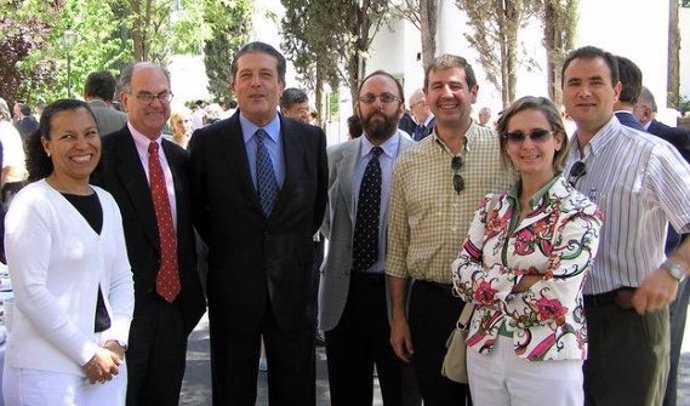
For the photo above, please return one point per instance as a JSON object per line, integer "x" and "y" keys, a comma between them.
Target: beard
{"x": 379, "y": 129}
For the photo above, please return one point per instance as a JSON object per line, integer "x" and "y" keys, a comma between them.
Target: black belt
{"x": 603, "y": 299}
{"x": 433, "y": 285}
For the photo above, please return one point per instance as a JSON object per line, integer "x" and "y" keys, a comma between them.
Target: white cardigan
{"x": 56, "y": 262}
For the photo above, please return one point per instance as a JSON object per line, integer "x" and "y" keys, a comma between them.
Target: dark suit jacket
{"x": 426, "y": 132}
{"x": 629, "y": 120}
{"x": 679, "y": 137}
{"x": 122, "y": 174}
{"x": 253, "y": 258}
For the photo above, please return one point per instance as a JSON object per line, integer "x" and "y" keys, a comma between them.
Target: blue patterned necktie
{"x": 267, "y": 186}
{"x": 365, "y": 245}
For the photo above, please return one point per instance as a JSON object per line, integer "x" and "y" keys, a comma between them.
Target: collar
{"x": 140, "y": 139}
{"x": 390, "y": 146}
{"x": 514, "y": 191}
{"x": 599, "y": 141}
{"x": 468, "y": 139}
{"x": 428, "y": 119}
{"x": 249, "y": 128}
{"x": 97, "y": 102}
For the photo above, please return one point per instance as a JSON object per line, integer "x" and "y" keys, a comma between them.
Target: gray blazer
{"x": 338, "y": 227}
{"x": 108, "y": 119}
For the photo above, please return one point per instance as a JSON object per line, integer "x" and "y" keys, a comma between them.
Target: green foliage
{"x": 685, "y": 3}
{"x": 229, "y": 22}
{"x": 188, "y": 29}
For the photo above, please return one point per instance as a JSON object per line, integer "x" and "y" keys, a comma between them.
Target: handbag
{"x": 455, "y": 362}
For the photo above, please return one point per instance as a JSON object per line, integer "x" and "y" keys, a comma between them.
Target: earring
{"x": 48, "y": 153}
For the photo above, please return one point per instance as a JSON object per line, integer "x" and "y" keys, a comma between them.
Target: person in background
{"x": 354, "y": 127}
{"x": 181, "y": 126}
{"x": 25, "y": 122}
{"x": 14, "y": 171}
{"x": 522, "y": 266}
{"x": 73, "y": 289}
{"x": 484, "y": 116}
{"x": 421, "y": 112}
{"x": 99, "y": 92}
{"x": 294, "y": 104}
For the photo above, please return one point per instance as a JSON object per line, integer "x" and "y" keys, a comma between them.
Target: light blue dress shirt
{"x": 273, "y": 144}
{"x": 386, "y": 160}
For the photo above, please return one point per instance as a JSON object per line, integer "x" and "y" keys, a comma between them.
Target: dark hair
{"x": 292, "y": 96}
{"x": 383, "y": 73}
{"x": 128, "y": 72}
{"x": 24, "y": 109}
{"x": 354, "y": 127}
{"x": 551, "y": 113}
{"x": 630, "y": 77}
{"x": 264, "y": 48}
{"x": 38, "y": 163}
{"x": 101, "y": 84}
{"x": 590, "y": 52}
{"x": 448, "y": 61}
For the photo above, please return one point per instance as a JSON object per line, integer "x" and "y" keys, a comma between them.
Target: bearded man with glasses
{"x": 437, "y": 184}
{"x": 147, "y": 176}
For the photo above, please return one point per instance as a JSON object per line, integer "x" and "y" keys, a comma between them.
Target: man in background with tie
{"x": 259, "y": 191}
{"x": 421, "y": 112}
{"x": 353, "y": 309}
{"x": 148, "y": 178}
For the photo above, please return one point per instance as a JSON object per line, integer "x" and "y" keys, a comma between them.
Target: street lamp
{"x": 69, "y": 38}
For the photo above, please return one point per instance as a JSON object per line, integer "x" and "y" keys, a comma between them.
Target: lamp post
{"x": 69, "y": 38}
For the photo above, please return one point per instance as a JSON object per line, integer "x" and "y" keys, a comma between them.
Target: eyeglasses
{"x": 146, "y": 97}
{"x": 518, "y": 137}
{"x": 384, "y": 97}
{"x": 458, "y": 182}
{"x": 577, "y": 171}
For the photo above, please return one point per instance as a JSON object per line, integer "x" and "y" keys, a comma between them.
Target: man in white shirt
{"x": 640, "y": 183}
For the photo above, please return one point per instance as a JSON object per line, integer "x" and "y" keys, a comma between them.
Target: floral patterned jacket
{"x": 558, "y": 239}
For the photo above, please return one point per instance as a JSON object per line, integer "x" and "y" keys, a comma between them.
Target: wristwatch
{"x": 675, "y": 270}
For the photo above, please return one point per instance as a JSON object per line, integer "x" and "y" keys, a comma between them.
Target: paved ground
{"x": 196, "y": 388}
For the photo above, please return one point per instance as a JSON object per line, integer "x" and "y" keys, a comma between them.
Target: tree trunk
{"x": 428, "y": 13}
{"x": 673, "y": 79}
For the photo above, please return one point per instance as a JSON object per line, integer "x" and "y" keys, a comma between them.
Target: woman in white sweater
{"x": 72, "y": 282}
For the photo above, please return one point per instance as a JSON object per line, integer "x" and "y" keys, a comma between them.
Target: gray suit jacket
{"x": 338, "y": 227}
{"x": 108, "y": 119}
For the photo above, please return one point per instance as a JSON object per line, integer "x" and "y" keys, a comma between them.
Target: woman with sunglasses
{"x": 522, "y": 265}
{"x": 73, "y": 288}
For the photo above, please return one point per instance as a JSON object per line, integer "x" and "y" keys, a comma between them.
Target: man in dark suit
{"x": 630, "y": 77}
{"x": 422, "y": 115}
{"x": 148, "y": 176}
{"x": 259, "y": 192}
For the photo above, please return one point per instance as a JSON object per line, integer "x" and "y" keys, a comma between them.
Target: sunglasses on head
{"x": 458, "y": 181}
{"x": 537, "y": 135}
{"x": 577, "y": 171}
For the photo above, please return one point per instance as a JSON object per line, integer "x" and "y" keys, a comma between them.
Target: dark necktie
{"x": 365, "y": 246}
{"x": 168, "y": 278}
{"x": 419, "y": 132}
{"x": 267, "y": 186}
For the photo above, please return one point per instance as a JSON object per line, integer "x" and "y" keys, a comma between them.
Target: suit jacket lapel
{"x": 131, "y": 172}
{"x": 236, "y": 153}
{"x": 292, "y": 154}
{"x": 345, "y": 165}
